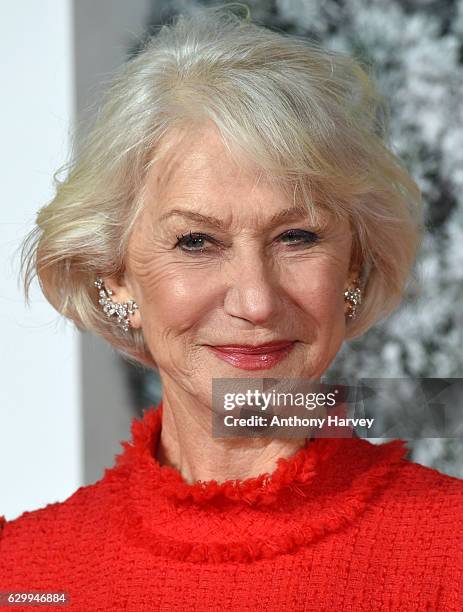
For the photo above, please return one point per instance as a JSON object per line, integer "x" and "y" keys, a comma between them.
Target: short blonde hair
{"x": 311, "y": 118}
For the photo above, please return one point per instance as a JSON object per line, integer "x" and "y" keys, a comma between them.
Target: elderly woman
{"x": 235, "y": 212}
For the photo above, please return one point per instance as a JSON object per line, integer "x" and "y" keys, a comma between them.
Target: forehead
{"x": 195, "y": 164}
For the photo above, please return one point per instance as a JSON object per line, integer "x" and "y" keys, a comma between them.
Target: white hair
{"x": 311, "y": 118}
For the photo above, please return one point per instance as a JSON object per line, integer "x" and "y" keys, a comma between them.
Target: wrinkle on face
{"x": 253, "y": 288}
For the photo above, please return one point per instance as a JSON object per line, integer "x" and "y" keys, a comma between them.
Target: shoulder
{"x": 410, "y": 480}
{"x": 62, "y": 533}
{"x": 387, "y": 470}
{"x": 413, "y": 522}
{"x": 415, "y": 479}
{"x": 438, "y": 495}
{"x": 422, "y": 503}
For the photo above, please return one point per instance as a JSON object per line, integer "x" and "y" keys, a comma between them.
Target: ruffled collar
{"x": 263, "y": 490}
{"x": 324, "y": 485}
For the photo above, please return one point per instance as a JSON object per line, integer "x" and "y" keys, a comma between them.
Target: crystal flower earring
{"x": 353, "y": 298}
{"x": 110, "y": 308}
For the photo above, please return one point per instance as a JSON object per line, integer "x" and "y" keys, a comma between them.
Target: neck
{"x": 186, "y": 443}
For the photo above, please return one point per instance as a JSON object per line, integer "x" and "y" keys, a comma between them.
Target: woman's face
{"x": 254, "y": 271}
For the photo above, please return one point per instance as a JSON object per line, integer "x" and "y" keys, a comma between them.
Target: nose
{"x": 253, "y": 290}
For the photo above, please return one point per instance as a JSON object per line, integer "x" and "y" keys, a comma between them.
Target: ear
{"x": 354, "y": 271}
{"x": 122, "y": 292}
{"x": 355, "y": 264}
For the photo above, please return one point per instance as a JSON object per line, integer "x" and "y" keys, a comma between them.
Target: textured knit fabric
{"x": 340, "y": 525}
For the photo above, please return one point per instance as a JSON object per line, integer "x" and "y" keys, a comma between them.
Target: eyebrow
{"x": 279, "y": 217}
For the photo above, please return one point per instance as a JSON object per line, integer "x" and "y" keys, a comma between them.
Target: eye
{"x": 298, "y": 237}
{"x": 192, "y": 242}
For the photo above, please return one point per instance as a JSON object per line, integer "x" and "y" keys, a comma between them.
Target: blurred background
{"x": 67, "y": 398}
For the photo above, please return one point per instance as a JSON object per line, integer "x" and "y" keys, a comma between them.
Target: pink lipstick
{"x": 248, "y": 357}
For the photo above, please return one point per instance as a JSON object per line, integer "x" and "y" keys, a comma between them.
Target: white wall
{"x": 40, "y": 441}
{"x": 104, "y": 31}
{"x": 63, "y": 407}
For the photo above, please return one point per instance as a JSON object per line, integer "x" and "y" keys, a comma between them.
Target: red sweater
{"x": 341, "y": 525}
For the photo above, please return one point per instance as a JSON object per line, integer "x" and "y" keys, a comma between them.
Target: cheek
{"x": 318, "y": 291}
{"x": 320, "y": 301}
{"x": 173, "y": 298}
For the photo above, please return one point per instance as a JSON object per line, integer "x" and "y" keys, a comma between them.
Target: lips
{"x": 251, "y": 349}
{"x": 249, "y": 357}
